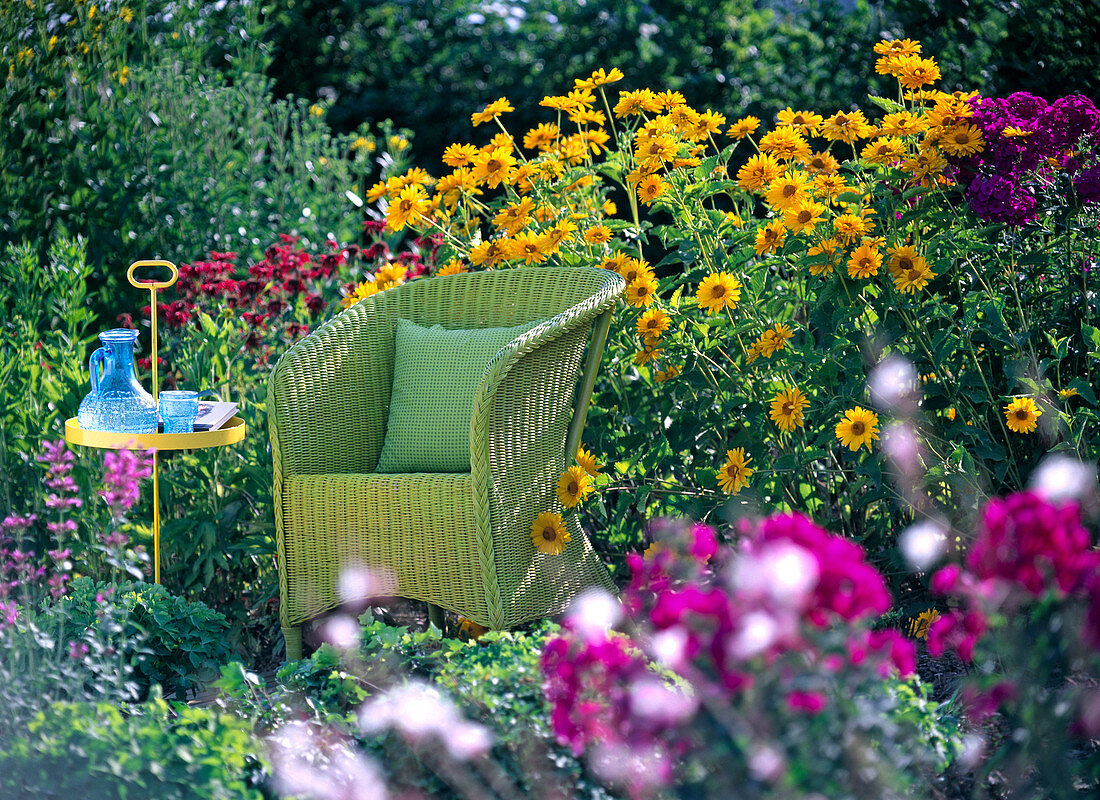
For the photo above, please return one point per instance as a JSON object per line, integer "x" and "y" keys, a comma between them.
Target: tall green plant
{"x": 45, "y": 329}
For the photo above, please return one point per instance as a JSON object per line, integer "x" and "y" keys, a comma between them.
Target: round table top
{"x": 230, "y": 433}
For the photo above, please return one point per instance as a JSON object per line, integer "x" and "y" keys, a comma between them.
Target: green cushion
{"x": 436, "y": 371}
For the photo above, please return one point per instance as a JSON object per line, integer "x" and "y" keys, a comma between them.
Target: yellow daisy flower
{"x": 851, "y": 227}
{"x": 806, "y": 121}
{"x": 717, "y": 291}
{"x": 653, "y": 323}
{"x": 746, "y": 126}
{"x": 1022, "y": 415}
{"x": 914, "y": 72}
{"x": 803, "y": 218}
{"x": 495, "y": 108}
{"x": 409, "y": 209}
{"x": 573, "y": 486}
{"x": 865, "y": 261}
{"x": 821, "y": 163}
{"x": 769, "y": 237}
{"x": 858, "y": 428}
{"x": 452, "y": 267}
{"x": 650, "y": 188}
{"x": 642, "y": 291}
{"x": 597, "y": 234}
{"x": 588, "y": 462}
{"x": 785, "y": 143}
{"x": 735, "y": 473}
{"x": 493, "y": 167}
{"x": 962, "y": 140}
{"x": 833, "y": 253}
{"x": 758, "y": 172}
{"x": 788, "y": 190}
{"x": 787, "y": 409}
{"x": 549, "y": 534}
{"x": 668, "y": 374}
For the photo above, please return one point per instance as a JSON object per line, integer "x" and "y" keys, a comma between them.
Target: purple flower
{"x": 124, "y": 469}
{"x": 77, "y": 650}
{"x": 998, "y": 198}
{"x": 1087, "y": 184}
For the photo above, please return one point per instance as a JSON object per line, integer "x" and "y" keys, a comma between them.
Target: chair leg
{"x": 436, "y": 618}
{"x": 293, "y": 637}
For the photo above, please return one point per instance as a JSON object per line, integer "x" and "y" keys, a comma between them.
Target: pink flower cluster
{"x": 719, "y": 618}
{"x": 1028, "y": 548}
{"x": 123, "y": 469}
{"x": 1026, "y": 544}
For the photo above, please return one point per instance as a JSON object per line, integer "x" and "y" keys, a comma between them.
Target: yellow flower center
{"x": 1022, "y": 414}
{"x": 914, "y": 274}
{"x": 789, "y": 190}
{"x": 858, "y": 428}
{"x": 788, "y": 408}
{"x": 962, "y": 138}
{"x": 804, "y": 217}
{"x": 549, "y": 534}
{"x": 573, "y": 488}
{"x": 717, "y": 291}
{"x": 905, "y": 263}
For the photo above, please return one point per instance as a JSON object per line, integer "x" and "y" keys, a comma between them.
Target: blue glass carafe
{"x": 117, "y": 401}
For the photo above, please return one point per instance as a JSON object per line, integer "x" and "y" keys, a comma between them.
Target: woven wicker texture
{"x": 436, "y": 372}
{"x": 459, "y": 541}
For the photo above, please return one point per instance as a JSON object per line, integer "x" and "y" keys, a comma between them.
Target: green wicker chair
{"x": 457, "y": 541}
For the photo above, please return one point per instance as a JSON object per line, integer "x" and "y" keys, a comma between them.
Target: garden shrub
{"x": 495, "y": 682}
{"x": 97, "y": 750}
{"x": 1022, "y": 606}
{"x": 755, "y": 666}
{"x": 182, "y": 643}
{"x": 779, "y": 272}
{"x": 173, "y": 143}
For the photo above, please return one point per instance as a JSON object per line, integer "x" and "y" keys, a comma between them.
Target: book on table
{"x": 213, "y": 415}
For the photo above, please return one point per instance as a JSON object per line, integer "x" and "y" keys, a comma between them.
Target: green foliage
{"x": 45, "y": 328}
{"x": 162, "y": 153}
{"x": 496, "y": 681}
{"x": 182, "y": 642}
{"x": 428, "y": 65}
{"x": 41, "y": 664}
{"x": 155, "y": 749}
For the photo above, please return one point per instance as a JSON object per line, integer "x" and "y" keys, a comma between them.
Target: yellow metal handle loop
{"x": 152, "y": 284}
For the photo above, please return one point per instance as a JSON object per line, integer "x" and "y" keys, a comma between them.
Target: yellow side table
{"x": 230, "y": 433}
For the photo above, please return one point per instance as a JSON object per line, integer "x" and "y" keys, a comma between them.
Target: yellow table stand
{"x": 230, "y": 433}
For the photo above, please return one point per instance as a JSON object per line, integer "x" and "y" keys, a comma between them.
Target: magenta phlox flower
{"x": 1033, "y": 543}
{"x": 807, "y": 702}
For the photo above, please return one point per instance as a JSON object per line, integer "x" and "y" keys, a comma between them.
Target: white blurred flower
{"x": 594, "y": 613}
{"x": 359, "y": 584}
{"x": 641, "y": 768}
{"x": 419, "y": 711}
{"x": 653, "y": 699}
{"x": 894, "y": 385}
{"x": 311, "y": 765}
{"x": 766, "y": 764}
{"x": 1060, "y": 477}
{"x": 899, "y": 442}
{"x": 341, "y": 632}
{"x": 669, "y": 647}
{"x": 757, "y": 631}
{"x": 781, "y": 571}
{"x": 923, "y": 544}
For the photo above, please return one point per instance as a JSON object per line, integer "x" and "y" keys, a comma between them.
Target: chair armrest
{"x": 521, "y": 418}
{"x": 328, "y": 397}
